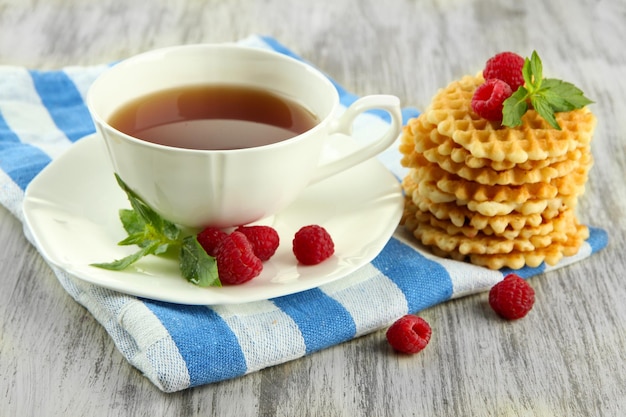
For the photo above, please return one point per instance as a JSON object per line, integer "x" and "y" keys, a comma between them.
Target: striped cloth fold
{"x": 42, "y": 113}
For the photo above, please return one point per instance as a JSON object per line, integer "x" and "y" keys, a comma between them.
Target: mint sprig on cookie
{"x": 547, "y": 96}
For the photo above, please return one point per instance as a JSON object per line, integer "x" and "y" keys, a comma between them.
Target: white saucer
{"x": 72, "y": 206}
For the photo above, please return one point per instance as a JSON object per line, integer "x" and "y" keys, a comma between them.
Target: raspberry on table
{"x": 409, "y": 334}
{"x": 512, "y": 298}
{"x": 264, "y": 240}
{"x": 236, "y": 261}
{"x": 209, "y": 238}
{"x": 312, "y": 244}
{"x": 505, "y": 66}
{"x": 489, "y": 97}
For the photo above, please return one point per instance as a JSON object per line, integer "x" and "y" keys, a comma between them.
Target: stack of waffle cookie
{"x": 493, "y": 195}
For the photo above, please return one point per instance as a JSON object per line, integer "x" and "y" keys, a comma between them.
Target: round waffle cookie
{"x": 421, "y": 143}
{"x": 455, "y": 187}
{"x": 548, "y": 242}
{"x": 544, "y": 170}
{"x": 551, "y": 255}
{"x": 535, "y": 139}
{"x": 462, "y": 216}
{"x": 492, "y": 195}
{"x": 438, "y": 233}
{"x": 534, "y": 227}
{"x": 493, "y": 207}
{"x": 455, "y": 154}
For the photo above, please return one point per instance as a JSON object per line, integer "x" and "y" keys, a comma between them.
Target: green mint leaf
{"x": 196, "y": 265}
{"x": 162, "y": 248}
{"x": 131, "y": 221}
{"x": 145, "y": 228}
{"x": 547, "y": 96}
{"x": 542, "y": 106}
{"x": 138, "y": 239}
{"x": 557, "y": 102}
{"x": 143, "y": 211}
{"x": 527, "y": 74}
{"x": 125, "y": 262}
{"x": 564, "y": 96}
{"x": 514, "y": 108}
{"x": 156, "y": 236}
{"x": 145, "y": 215}
{"x": 146, "y": 237}
{"x": 536, "y": 68}
{"x": 170, "y": 230}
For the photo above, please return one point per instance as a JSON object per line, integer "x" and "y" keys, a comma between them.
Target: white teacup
{"x": 229, "y": 187}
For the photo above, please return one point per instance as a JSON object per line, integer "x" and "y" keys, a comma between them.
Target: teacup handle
{"x": 343, "y": 125}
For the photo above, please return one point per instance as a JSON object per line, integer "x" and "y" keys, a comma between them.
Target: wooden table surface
{"x": 566, "y": 358}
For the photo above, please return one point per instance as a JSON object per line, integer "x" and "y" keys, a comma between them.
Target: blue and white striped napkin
{"x": 42, "y": 113}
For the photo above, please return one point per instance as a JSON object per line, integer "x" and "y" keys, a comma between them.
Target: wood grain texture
{"x": 566, "y": 358}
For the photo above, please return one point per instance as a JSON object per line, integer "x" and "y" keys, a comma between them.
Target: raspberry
{"x": 512, "y": 298}
{"x": 489, "y": 97}
{"x": 209, "y": 239}
{"x": 409, "y": 334}
{"x": 312, "y": 244}
{"x": 505, "y": 66}
{"x": 236, "y": 262}
{"x": 264, "y": 240}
